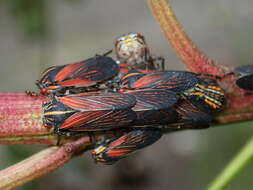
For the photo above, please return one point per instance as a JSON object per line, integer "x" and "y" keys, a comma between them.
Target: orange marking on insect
{"x": 211, "y": 104}
{"x": 77, "y": 82}
{"x": 201, "y": 86}
{"x": 197, "y": 94}
{"x": 118, "y": 152}
{"x": 67, "y": 70}
{"x": 129, "y": 75}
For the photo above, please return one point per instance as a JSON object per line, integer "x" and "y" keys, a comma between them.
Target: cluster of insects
{"x": 131, "y": 92}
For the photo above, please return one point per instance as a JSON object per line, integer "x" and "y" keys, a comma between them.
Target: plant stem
{"x": 40, "y": 163}
{"x": 193, "y": 58}
{"x": 234, "y": 167}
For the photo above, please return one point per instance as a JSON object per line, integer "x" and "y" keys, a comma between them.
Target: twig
{"x": 40, "y": 163}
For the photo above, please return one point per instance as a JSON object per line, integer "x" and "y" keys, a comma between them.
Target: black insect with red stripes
{"x": 82, "y": 76}
{"x": 90, "y": 111}
{"x": 112, "y": 150}
{"x": 201, "y": 90}
{"x": 245, "y": 77}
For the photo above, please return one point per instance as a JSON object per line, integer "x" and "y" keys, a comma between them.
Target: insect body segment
{"x": 84, "y": 75}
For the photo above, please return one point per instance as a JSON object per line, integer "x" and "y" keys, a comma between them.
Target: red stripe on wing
{"x": 77, "y": 82}
{"x": 98, "y": 120}
{"x": 67, "y": 71}
{"x": 90, "y": 102}
{"x": 154, "y": 99}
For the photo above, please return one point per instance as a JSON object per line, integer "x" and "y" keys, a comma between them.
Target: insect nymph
{"x": 132, "y": 49}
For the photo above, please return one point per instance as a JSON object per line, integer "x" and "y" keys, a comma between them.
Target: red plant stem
{"x": 194, "y": 59}
{"x": 32, "y": 139}
{"x": 21, "y": 114}
{"x": 21, "y": 120}
{"x": 40, "y": 163}
{"x": 239, "y": 102}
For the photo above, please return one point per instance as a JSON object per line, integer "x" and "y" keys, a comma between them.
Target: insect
{"x": 132, "y": 49}
{"x": 199, "y": 89}
{"x": 91, "y": 111}
{"x": 78, "y": 77}
{"x": 245, "y": 80}
{"x": 113, "y": 150}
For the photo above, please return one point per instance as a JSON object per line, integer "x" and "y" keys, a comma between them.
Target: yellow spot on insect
{"x": 215, "y": 88}
{"x": 128, "y": 41}
{"x": 197, "y": 94}
{"x": 99, "y": 149}
{"x": 201, "y": 86}
{"x": 57, "y": 112}
{"x": 53, "y": 87}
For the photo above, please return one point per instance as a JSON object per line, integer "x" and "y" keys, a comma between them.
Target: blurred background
{"x": 37, "y": 34}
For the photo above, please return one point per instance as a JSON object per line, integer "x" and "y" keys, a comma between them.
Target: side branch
{"x": 40, "y": 163}
{"x": 193, "y": 58}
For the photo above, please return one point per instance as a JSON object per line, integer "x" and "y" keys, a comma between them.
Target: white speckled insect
{"x": 131, "y": 48}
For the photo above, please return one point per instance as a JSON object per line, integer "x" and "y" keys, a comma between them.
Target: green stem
{"x": 233, "y": 168}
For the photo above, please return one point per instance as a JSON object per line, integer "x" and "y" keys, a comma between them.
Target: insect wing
{"x": 98, "y": 111}
{"x": 245, "y": 82}
{"x": 125, "y": 69}
{"x": 177, "y": 81}
{"x": 98, "y": 120}
{"x": 88, "y": 72}
{"x": 154, "y": 106}
{"x": 153, "y": 117}
{"x": 246, "y": 79}
{"x": 155, "y": 99}
{"x": 126, "y": 144}
{"x": 98, "y": 101}
{"x": 128, "y": 80}
{"x": 190, "y": 116}
{"x": 47, "y": 77}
